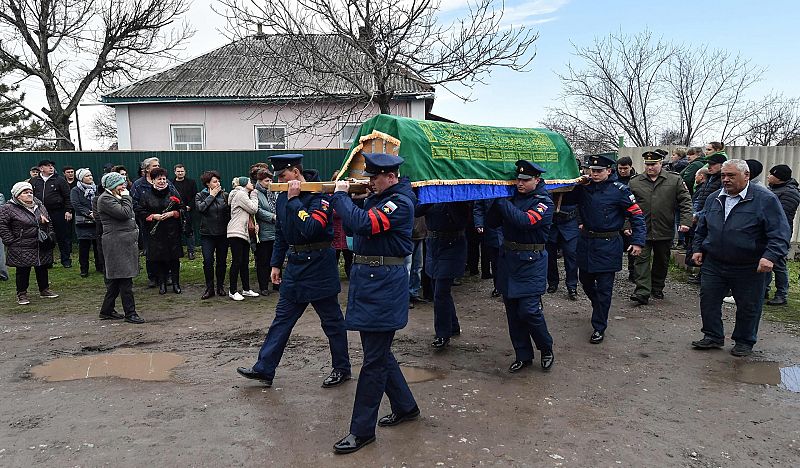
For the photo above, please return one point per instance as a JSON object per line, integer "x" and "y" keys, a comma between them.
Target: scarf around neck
{"x": 88, "y": 190}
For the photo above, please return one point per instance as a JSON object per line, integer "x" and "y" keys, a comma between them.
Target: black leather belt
{"x": 525, "y": 247}
{"x": 309, "y": 247}
{"x": 378, "y": 260}
{"x": 599, "y": 235}
{"x": 445, "y": 234}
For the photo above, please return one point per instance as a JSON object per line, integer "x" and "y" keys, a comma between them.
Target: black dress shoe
{"x": 176, "y": 288}
{"x": 707, "y": 343}
{"x": 597, "y": 337}
{"x": 208, "y": 294}
{"x": 440, "y": 343}
{"x": 777, "y": 301}
{"x": 657, "y": 294}
{"x": 693, "y": 279}
{"x": 418, "y": 300}
{"x": 352, "y": 443}
{"x": 741, "y": 350}
{"x": 222, "y": 292}
{"x": 337, "y": 377}
{"x": 456, "y": 332}
{"x": 265, "y": 292}
{"x": 639, "y": 300}
{"x": 495, "y": 293}
{"x": 517, "y": 366}
{"x": 113, "y": 315}
{"x": 552, "y": 289}
{"x": 191, "y": 255}
{"x": 457, "y": 282}
{"x": 572, "y": 294}
{"x": 67, "y": 264}
{"x": 134, "y": 318}
{"x": 548, "y": 358}
{"x": 396, "y": 418}
{"x": 84, "y": 274}
{"x": 411, "y": 305}
{"x": 162, "y": 288}
{"x": 249, "y": 373}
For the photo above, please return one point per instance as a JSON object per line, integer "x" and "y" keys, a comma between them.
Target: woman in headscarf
{"x": 81, "y": 197}
{"x": 265, "y": 216}
{"x": 160, "y": 209}
{"x": 21, "y": 221}
{"x": 115, "y": 214}
{"x": 212, "y": 206}
{"x": 243, "y": 201}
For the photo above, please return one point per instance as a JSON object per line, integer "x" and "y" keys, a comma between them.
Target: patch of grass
{"x": 789, "y": 314}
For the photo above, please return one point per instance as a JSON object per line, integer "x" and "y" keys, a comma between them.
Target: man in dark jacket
{"x": 378, "y": 285}
{"x": 742, "y": 234}
{"x": 660, "y": 194}
{"x": 53, "y": 190}
{"x": 694, "y": 156}
{"x": 625, "y": 172}
{"x": 188, "y": 189}
{"x": 713, "y": 181}
{"x": 786, "y": 189}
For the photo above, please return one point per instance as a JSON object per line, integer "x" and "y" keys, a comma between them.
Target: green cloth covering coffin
{"x": 454, "y": 162}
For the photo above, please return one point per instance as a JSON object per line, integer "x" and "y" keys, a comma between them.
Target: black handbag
{"x": 81, "y": 220}
{"x": 47, "y": 240}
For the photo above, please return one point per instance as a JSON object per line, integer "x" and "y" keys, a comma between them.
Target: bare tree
{"x": 617, "y": 88}
{"x": 104, "y": 126}
{"x": 708, "y": 90}
{"x": 71, "y": 46}
{"x": 775, "y": 125}
{"x": 582, "y": 138}
{"x": 360, "y": 53}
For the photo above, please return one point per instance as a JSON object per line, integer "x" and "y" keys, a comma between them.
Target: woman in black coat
{"x": 212, "y": 206}
{"x": 81, "y": 197}
{"x": 20, "y": 222}
{"x": 159, "y": 209}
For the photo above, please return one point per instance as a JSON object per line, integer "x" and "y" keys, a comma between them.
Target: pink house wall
{"x": 227, "y": 126}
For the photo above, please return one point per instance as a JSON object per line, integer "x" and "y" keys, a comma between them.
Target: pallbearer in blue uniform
{"x": 376, "y": 305}
{"x": 303, "y": 232}
{"x": 564, "y": 236}
{"x": 445, "y": 256}
{"x": 522, "y": 264}
{"x": 603, "y": 205}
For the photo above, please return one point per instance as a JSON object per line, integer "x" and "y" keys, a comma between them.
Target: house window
{"x": 348, "y": 134}
{"x": 270, "y": 137}
{"x": 187, "y": 137}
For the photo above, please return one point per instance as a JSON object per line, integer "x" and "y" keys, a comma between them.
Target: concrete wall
{"x": 229, "y": 126}
{"x": 769, "y": 156}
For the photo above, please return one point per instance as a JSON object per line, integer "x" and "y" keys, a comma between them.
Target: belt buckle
{"x": 375, "y": 263}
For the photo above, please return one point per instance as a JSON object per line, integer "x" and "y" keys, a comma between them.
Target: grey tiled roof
{"x": 249, "y": 69}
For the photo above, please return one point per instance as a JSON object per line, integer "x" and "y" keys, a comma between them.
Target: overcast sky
{"x": 765, "y": 33}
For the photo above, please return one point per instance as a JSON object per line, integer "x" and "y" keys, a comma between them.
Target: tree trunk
{"x": 62, "y": 133}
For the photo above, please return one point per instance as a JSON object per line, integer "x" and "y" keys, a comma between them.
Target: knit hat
{"x": 112, "y": 180}
{"x": 781, "y": 171}
{"x": 81, "y": 173}
{"x": 755, "y": 167}
{"x": 19, "y": 187}
{"x": 241, "y": 181}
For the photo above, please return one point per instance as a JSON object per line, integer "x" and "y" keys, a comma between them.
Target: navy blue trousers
{"x": 598, "y": 288}
{"x": 380, "y": 374}
{"x": 445, "y": 319}
{"x": 286, "y": 315}
{"x": 569, "y": 250}
{"x": 747, "y": 287}
{"x": 526, "y": 322}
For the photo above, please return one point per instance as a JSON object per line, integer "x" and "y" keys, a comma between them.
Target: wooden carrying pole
{"x": 356, "y": 186}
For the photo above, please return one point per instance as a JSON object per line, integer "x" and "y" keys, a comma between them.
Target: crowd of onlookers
{"x": 53, "y": 210}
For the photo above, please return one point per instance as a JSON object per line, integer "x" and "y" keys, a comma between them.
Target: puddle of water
{"x": 769, "y": 373}
{"x": 136, "y": 366}
{"x": 412, "y": 374}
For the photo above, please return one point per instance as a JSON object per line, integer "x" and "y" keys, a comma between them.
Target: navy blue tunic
{"x": 604, "y": 207}
{"x": 525, "y": 219}
{"x": 305, "y": 219}
{"x": 445, "y": 257}
{"x": 378, "y": 295}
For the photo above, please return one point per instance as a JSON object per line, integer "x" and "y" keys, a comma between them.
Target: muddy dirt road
{"x": 641, "y": 398}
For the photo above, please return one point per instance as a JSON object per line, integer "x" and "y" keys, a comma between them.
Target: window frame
{"x": 356, "y": 126}
{"x": 173, "y": 127}
{"x": 271, "y": 145}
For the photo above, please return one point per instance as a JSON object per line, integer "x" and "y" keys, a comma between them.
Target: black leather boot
{"x": 176, "y": 283}
{"x": 209, "y": 292}
{"x": 162, "y": 285}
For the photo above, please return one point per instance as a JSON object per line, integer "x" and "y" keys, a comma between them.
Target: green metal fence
{"x": 15, "y": 165}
